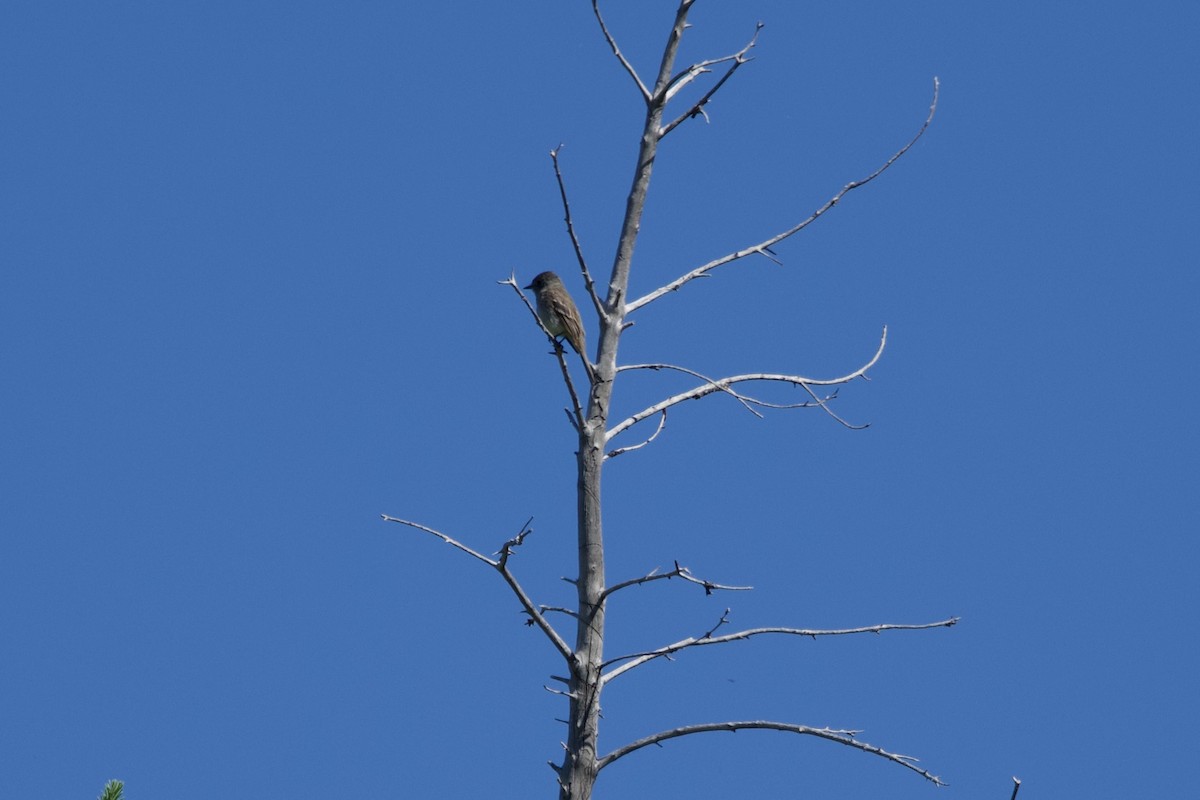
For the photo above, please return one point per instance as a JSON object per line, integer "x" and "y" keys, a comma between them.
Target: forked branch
{"x": 763, "y": 247}
{"x": 695, "y": 70}
{"x": 637, "y": 659}
{"x": 723, "y": 384}
{"x": 846, "y": 737}
{"x": 501, "y": 565}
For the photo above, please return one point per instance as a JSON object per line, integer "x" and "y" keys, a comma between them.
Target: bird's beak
{"x": 530, "y": 286}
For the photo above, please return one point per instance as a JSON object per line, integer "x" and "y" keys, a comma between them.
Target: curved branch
{"x": 747, "y": 402}
{"x": 845, "y": 737}
{"x": 824, "y": 404}
{"x": 617, "y": 52}
{"x": 501, "y": 566}
{"x": 723, "y": 384}
{"x": 762, "y": 248}
{"x": 637, "y": 659}
{"x": 662, "y": 423}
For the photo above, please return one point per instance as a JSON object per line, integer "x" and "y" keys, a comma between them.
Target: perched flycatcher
{"x": 558, "y": 313}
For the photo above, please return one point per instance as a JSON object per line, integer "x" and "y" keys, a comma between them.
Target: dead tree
{"x": 587, "y": 669}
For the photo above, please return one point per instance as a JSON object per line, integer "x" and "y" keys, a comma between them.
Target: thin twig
{"x": 637, "y": 659}
{"x": 662, "y": 422}
{"x": 617, "y": 52}
{"x": 829, "y": 411}
{"x": 444, "y": 538}
{"x": 845, "y": 737}
{"x": 583, "y": 267}
{"x": 763, "y": 246}
{"x": 1016, "y": 787}
{"x": 723, "y": 384}
{"x": 569, "y": 612}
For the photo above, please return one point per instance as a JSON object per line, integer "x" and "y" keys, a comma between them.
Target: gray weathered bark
{"x": 578, "y": 772}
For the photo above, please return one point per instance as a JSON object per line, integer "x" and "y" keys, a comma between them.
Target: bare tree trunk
{"x": 578, "y": 773}
{"x": 579, "y": 769}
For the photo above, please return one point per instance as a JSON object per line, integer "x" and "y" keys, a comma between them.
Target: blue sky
{"x": 248, "y": 304}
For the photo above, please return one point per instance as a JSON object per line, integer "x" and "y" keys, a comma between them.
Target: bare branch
{"x": 747, "y": 402}
{"x": 583, "y": 267}
{"x": 568, "y": 611}
{"x": 501, "y": 566}
{"x": 683, "y": 79}
{"x": 679, "y": 572}
{"x": 637, "y": 659}
{"x": 824, "y": 407}
{"x": 763, "y": 246}
{"x": 612, "y": 43}
{"x": 538, "y": 619}
{"x": 845, "y": 737}
{"x": 559, "y": 352}
{"x": 690, "y": 74}
{"x": 662, "y": 422}
{"x": 1016, "y": 787}
{"x": 444, "y": 538}
{"x": 723, "y": 384}
{"x": 535, "y": 615}
{"x": 745, "y": 399}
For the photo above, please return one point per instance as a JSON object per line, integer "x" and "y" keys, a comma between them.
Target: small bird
{"x": 558, "y": 313}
